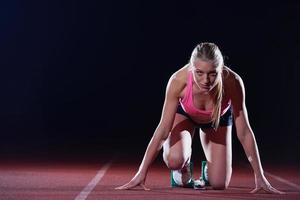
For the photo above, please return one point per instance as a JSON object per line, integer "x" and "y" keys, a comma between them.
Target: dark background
{"x": 88, "y": 77}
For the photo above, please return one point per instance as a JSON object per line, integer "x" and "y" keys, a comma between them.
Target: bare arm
{"x": 162, "y": 131}
{"x": 160, "y": 134}
{"x": 243, "y": 129}
{"x": 246, "y": 135}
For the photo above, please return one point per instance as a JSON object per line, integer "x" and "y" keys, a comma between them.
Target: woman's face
{"x": 205, "y": 74}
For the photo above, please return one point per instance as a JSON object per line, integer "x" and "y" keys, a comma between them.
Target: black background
{"x": 90, "y": 76}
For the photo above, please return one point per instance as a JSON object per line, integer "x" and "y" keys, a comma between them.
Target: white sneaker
{"x": 182, "y": 177}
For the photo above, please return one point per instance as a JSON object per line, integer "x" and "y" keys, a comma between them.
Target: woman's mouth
{"x": 205, "y": 86}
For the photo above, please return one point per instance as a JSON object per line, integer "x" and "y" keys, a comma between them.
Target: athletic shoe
{"x": 199, "y": 184}
{"x": 183, "y": 177}
{"x": 204, "y": 174}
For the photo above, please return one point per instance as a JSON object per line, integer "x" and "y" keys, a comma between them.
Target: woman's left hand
{"x": 262, "y": 184}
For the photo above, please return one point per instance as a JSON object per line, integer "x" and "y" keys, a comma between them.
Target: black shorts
{"x": 225, "y": 120}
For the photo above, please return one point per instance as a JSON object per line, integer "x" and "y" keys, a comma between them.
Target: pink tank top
{"x": 188, "y": 104}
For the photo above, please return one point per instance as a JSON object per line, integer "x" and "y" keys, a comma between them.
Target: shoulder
{"x": 232, "y": 79}
{"x": 234, "y": 88}
{"x": 178, "y": 80}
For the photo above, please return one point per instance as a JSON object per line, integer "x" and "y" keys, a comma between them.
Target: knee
{"x": 220, "y": 181}
{"x": 174, "y": 162}
{"x": 219, "y": 186}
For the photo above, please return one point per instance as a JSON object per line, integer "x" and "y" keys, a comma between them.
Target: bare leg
{"x": 218, "y": 151}
{"x": 177, "y": 148}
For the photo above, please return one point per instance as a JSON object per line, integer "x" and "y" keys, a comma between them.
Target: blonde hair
{"x": 210, "y": 52}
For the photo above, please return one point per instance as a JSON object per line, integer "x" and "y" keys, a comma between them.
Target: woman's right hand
{"x": 137, "y": 180}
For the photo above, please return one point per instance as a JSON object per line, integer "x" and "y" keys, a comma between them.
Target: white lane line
{"x": 89, "y": 187}
{"x": 283, "y": 180}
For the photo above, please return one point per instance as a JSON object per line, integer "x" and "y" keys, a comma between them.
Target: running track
{"x": 97, "y": 179}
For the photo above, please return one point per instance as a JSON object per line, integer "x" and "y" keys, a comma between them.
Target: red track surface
{"x": 40, "y": 180}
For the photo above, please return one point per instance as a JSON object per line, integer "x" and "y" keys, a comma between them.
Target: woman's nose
{"x": 206, "y": 78}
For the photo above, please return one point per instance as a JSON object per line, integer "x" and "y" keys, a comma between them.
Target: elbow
{"x": 241, "y": 138}
{"x": 163, "y": 132}
{"x": 242, "y": 134}
{"x": 162, "y": 141}
{"x": 160, "y": 136}
{"x": 164, "y": 137}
